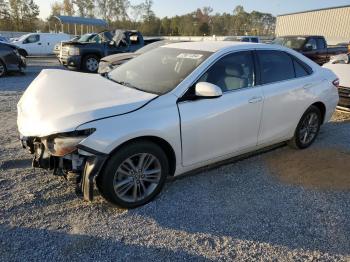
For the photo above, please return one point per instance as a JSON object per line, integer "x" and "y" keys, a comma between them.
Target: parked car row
{"x": 171, "y": 110}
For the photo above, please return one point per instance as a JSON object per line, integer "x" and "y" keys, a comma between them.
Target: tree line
{"x": 22, "y": 15}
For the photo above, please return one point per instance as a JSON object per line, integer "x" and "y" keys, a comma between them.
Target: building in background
{"x": 332, "y": 23}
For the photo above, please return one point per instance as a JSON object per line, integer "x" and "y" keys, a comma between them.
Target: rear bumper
{"x": 344, "y": 96}
{"x": 71, "y": 61}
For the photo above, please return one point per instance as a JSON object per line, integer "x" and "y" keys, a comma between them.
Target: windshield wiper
{"x": 124, "y": 83}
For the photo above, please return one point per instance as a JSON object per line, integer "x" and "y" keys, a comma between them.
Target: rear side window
{"x": 275, "y": 66}
{"x": 301, "y": 69}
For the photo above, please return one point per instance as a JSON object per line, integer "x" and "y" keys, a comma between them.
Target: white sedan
{"x": 172, "y": 110}
{"x": 340, "y": 65}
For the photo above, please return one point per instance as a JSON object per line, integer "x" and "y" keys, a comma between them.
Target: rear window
{"x": 290, "y": 42}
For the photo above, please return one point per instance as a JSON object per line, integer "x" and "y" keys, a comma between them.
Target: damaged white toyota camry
{"x": 172, "y": 110}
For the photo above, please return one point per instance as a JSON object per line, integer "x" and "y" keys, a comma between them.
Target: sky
{"x": 170, "y": 8}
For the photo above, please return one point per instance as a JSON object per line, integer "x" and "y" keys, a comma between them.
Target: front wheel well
{"x": 92, "y": 54}
{"x": 23, "y": 52}
{"x": 169, "y": 151}
{"x": 321, "y": 106}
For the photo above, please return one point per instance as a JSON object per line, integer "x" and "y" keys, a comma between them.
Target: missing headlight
{"x": 64, "y": 144}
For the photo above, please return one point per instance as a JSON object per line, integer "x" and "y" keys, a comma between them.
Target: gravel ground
{"x": 284, "y": 205}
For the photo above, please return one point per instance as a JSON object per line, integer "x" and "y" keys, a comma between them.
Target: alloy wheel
{"x": 137, "y": 177}
{"x": 309, "y": 128}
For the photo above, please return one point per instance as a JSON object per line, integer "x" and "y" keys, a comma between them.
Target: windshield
{"x": 23, "y": 37}
{"x": 85, "y": 38}
{"x": 290, "y": 42}
{"x": 158, "y": 71}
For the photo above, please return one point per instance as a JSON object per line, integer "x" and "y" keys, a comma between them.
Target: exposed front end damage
{"x": 63, "y": 156}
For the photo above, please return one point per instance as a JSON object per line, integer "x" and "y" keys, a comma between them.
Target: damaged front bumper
{"x": 85, "y": 163}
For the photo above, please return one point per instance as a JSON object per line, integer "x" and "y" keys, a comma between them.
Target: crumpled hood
{"x": 59, "y": 101}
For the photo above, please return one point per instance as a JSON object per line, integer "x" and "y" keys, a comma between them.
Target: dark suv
{"x": 86, "y": 55}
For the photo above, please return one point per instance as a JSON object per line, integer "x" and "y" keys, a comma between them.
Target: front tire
{"x": 90, "y": 63}
{"x": 134, "y": 175}
{"x": 307, "y": 129}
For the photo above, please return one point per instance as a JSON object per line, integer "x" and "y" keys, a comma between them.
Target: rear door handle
{"x": 39, "y": 44}
{"x": 255, "y": 99}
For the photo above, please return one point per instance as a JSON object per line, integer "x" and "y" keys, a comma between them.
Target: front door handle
{"x": 39, "y": 44}
{"x": 255, "y": 99}
{"x": 307, "y": 86}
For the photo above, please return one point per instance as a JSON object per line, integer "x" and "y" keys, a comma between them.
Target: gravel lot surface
{"x": 284, "y": 205}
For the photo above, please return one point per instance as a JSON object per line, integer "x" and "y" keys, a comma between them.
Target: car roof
{"x": 214, "y": 46}
{"x": 306, "y": 36}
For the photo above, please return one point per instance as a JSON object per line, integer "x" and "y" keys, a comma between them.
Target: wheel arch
{"x": 92, "y": 53}
{"x": 23, "y": 52}
{"x": 3, "y": 62}
{"x": 168, "y": 149}
{"x": 322, "y": 107}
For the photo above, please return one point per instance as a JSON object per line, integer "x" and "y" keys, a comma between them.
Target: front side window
{"x": 158, "y": 71}
{"x": 311, "y": 44}
{"x": 32, "y": 39}
{"x": 275, "y": 66}
{"x": 232, "y": 72}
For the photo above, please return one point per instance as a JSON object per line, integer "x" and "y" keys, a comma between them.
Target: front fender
{"x": 158, "y": 119}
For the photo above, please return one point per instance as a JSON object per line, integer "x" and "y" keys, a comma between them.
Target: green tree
{"x": 24, "y": 14}
{"x": 5, "y": 17}
{"x": 56, "y": 9}
{"x": 68, "y": 7}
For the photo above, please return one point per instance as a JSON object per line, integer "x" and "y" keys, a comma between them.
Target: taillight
{"x": 336, "y": 83}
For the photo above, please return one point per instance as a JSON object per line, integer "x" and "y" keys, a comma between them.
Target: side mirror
{"x": 207, "y": 90}
{"x": 111, "y": 43}
{"x": 308, "y": 48}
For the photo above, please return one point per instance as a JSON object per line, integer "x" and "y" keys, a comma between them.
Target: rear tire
{"x": 307, "y": 129}
{"x": 3, "y": 69}
{"x": 134, "y": 175}
{"x": 90, "y": 63}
